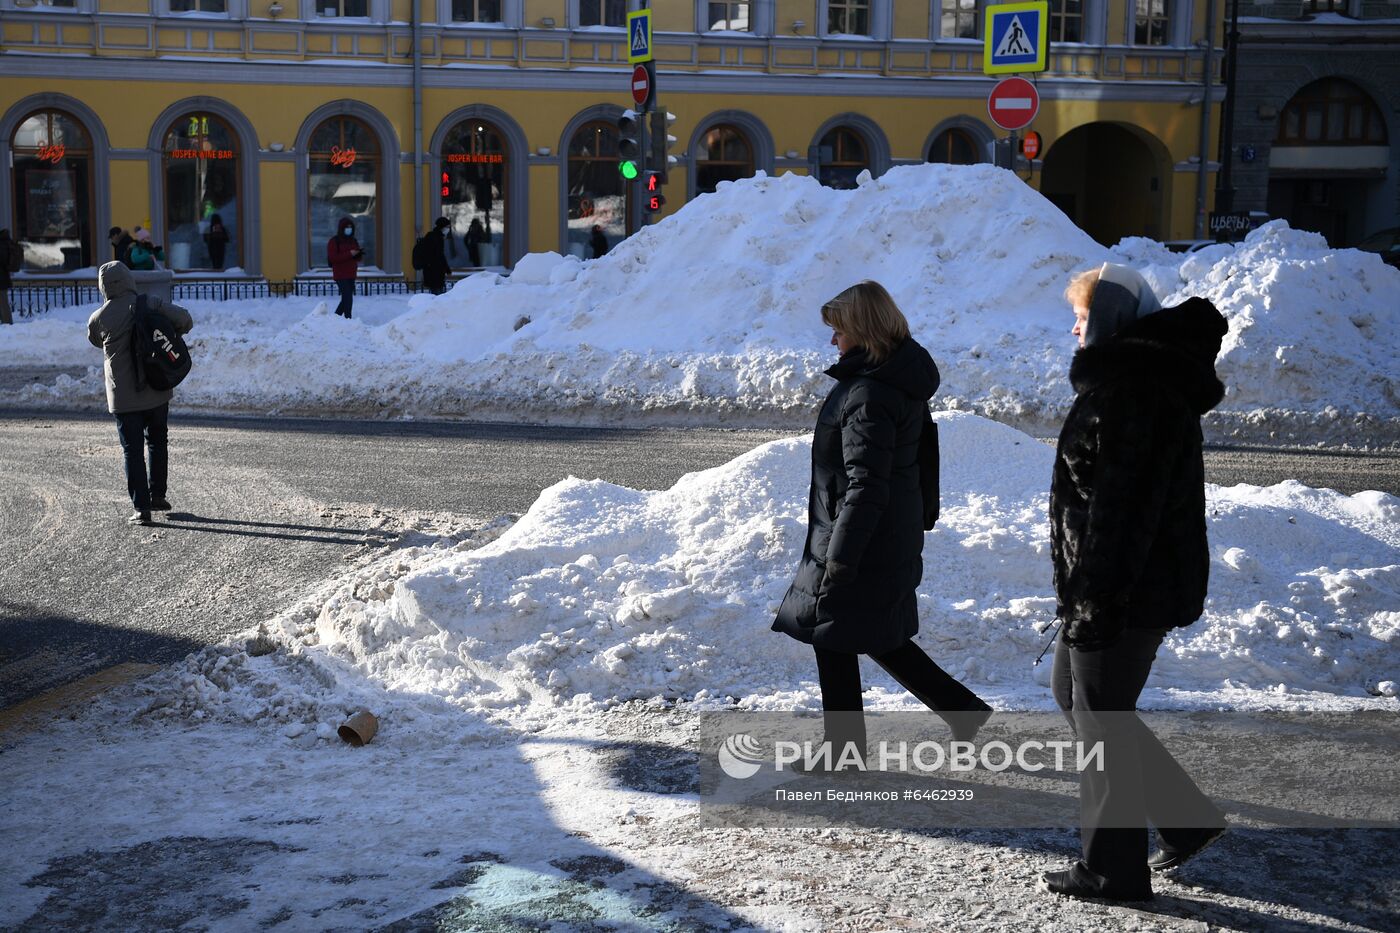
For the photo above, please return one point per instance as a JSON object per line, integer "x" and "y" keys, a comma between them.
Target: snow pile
{"x": 602, "y": 594}
{"x": 712, "y": 314}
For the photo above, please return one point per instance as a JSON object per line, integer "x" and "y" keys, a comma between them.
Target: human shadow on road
{"x": 187, "y": 522}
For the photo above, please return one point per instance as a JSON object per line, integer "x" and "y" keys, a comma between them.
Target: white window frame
{"x": 1178, "y": 25}
{"x": 575, "y": 24}
{"x": 378, "y": 13}
{"x": 512, "y": 16}
{"x": 233, "y": 9}
{"x": 936, "y": 21}
{"x": 761, "y": 16}
{"x": 880, "y": 22}
{"x": 79, "y": 7}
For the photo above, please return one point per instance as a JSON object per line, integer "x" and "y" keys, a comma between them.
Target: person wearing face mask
{"x": 1131, "y": 561}
{"x": 343, "y": 253}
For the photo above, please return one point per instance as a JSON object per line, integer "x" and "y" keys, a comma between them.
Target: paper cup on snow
{"x": 359, "y": 728}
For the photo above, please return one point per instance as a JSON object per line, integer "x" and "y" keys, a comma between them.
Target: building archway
{"x": 959, "y": 141}
{"x": 755, "y": 136}
{"x": 349, "y": 159}
{"x": 854, "y": 142}
{"x": 1328, "y": 161}
{"x": 55, "y": 201}
{"x": 592, "y": 192}
{"x": 206, "y": 154}
{"x": 1112, "y": 179}
{"x": 479, "y": 157}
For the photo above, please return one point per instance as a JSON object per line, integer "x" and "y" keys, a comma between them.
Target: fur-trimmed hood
{"x": 1175, "y": 347}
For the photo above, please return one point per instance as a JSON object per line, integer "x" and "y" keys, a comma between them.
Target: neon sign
{"x": 342, "y": 158}
{"x": 474, "y": 158}
{"x": 53, "y": 153}
{"x": 201, "y": 154}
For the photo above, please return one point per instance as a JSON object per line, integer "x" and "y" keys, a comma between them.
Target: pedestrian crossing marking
{"x": 1014, "y": 41}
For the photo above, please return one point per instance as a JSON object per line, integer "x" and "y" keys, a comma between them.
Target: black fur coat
{"x": 1127, "y": 501}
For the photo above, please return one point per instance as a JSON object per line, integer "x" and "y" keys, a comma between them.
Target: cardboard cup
{"x": 359, "y": 728}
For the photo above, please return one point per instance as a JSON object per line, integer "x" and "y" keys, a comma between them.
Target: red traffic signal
{"x": 654, "y": 203}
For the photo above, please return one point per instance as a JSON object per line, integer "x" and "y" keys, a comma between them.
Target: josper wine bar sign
{"x": 473, "y": 158}
{"x": 200, "y": 154}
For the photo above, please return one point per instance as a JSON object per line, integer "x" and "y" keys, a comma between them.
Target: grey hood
{"x": 114, "y": 280}
{"x": 1121, "y": 297}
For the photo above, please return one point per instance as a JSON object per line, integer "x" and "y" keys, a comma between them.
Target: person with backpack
{"x": 430, "y": 257}
{"x": 11, "y": 261}
{"x": 141, "y": 408}
{"x": 472, "y": 239}
{"x": 343, "y": 255}
{"x": 873, "y": 495}
{"x": 1131, "y": 563}
{"x": 216, "y": 239}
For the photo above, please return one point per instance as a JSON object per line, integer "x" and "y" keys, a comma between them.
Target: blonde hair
{"x": 1080, "y": 290}
{"x": 868, "y": 315}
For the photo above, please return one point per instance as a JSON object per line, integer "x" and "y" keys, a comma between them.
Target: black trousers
{"x": 839, "y": 676}
{"x": 1141, "y": 782}
{"x": 145, "y": 429}
{"x": 347, "y": 296}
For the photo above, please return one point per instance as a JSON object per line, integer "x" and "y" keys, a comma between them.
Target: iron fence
{"x": 28, "y": 299}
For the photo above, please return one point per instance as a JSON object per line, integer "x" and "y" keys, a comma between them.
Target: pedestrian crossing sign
{"x": 1015, "y": 37}
{"x": 639, "y": 37}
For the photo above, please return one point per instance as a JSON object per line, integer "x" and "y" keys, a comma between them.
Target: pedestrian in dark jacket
{"x": 855, "y": 589}
{"x": 1128, "y": 541}
{"x": 435, "y": 267}
{"x": 121, "y": 242}
{"x": 141, "y": 411}
{"x": 343, "y": 255}
{"x": 473, "y": 238}
{"x": 216, "y": 239}
{"x": 7, "y": 246}
{"x": 598, "y": 241}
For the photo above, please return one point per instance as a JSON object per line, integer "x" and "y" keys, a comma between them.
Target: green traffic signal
{"x": 628, "y": 169}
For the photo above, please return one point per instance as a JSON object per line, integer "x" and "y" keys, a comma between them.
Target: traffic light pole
{"x": 635, "y": 217}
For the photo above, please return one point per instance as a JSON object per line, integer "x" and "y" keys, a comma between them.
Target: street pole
{"x": 1225, "y": 186}
{"x": 417, "y": 119}
{"x": 1203, "y": 170}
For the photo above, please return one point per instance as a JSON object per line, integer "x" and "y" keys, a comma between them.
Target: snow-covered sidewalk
{"x": 711, "y": 316}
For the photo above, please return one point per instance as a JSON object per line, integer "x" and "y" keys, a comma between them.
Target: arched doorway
{"x": 200, "y": 171}
{"x": 723, "y": 153}
{"x": 52, "y": 191}
{"x": 343, "y": 181}
{"x": 597, "y": 194}
{"x": 1327, "y": 165}
{"x": 1111, "y": 180}
{"x": 475, "y": 162}
{"x": 849, "y": 156}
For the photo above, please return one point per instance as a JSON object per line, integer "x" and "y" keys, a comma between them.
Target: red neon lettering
{"x": 342, "y": 158}
{"x": 52, "y": 153}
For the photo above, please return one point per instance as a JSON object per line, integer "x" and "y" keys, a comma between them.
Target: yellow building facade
{"x": 242, "y": 132}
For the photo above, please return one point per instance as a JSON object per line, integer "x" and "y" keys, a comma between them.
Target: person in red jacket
{"x": 343, "y": 253}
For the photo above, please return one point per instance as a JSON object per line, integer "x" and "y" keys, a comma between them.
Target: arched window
{"x": 344, "y": 182}
{"x": 52, "y": 189}
{"x": 597, "y": 193}
{"x": 724, "y": 154}
{"x": 1331, "y": 112}
{"x": 843, "y": 157}
{"x": 202, "y": 213}
{"x": 954, "y": 147}
{"x": 474, "y": 162}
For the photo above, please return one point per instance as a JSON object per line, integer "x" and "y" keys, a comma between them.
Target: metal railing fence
{"x": 28, "y": 299}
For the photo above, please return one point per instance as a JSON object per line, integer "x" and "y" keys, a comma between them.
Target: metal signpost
{"x": 1016, "y": 40}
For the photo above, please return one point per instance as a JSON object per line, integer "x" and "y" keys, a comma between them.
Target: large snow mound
{"x": 713, "y": 314}
{"x": 601, "y": 594}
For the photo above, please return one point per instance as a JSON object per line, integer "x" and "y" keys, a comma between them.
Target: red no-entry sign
{"x": 1013, "y": 103}
{"x": 641, "y": 84}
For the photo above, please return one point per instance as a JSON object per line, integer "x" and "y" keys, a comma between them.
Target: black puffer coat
{"x": 855, "y": 588}
{"x": 1127, "y": 502}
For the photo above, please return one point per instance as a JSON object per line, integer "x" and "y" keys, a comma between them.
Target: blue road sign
{"x": 1016, "y": 36}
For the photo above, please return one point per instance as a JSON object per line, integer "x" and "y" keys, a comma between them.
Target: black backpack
{"x": 159, "y": 352}
{"x": 420, "y": 255}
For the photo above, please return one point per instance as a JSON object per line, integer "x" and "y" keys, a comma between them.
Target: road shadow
{"x": 186, "y": 521}
{"x": 41, "y": 649}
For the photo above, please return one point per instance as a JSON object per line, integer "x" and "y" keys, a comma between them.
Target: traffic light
{"x": 661, "y": 142}
{"x": 628, "y": 149}
{"x": 652, "y": 198}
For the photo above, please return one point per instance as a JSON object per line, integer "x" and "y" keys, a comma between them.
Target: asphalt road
{"x": 266, "y": 508}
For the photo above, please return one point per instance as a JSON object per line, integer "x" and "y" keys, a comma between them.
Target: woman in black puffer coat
{"x": 855, "y": 589}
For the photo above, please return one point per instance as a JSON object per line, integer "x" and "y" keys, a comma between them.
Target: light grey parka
{"x": 110, "y": 328}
